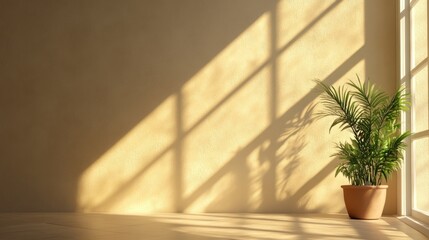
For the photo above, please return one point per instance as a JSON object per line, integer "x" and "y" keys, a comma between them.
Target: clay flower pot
{"x": 364, "y": 202}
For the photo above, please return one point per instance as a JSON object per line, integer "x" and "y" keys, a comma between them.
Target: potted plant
{"x": 374, "y": 151}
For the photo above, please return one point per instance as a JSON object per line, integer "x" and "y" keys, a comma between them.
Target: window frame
{"x": 406, "y": 177}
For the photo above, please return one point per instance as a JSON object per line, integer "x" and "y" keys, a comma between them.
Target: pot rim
{"x": 365, "y": 186}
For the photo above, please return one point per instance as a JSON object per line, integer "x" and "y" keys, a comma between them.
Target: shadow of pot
{"x": 364, "y": 202}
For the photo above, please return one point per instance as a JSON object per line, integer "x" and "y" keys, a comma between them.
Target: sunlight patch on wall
{"x": 225, "y": 105}
{"x": 209, "y": 198}
{"x": 221, "y": 107}
{"x": 321, "y": 50}
{"x": 305, "y": 155}
{"x": 240, "y": 134}
{"x": 134, "y": 175}
{"x": 227, "y": 72}
{"x": 295, "y": 16}
{"x": 218, "y": 145}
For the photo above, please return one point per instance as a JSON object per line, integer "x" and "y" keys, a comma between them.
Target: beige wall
{"x": 194, "y": 106}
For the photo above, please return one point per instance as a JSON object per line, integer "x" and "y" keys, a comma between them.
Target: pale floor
{"x": 66, "y": 226}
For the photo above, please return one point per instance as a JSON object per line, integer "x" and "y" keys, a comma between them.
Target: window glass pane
{"x": 418, "y": 33}
{"x": 420, "y": 100}
{"x": 421, "y": 173}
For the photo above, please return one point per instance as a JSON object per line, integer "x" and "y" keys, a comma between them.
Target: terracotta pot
{"x": 364, "y": 202}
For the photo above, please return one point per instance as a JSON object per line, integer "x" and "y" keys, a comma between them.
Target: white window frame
{"x": 406, "y": 177}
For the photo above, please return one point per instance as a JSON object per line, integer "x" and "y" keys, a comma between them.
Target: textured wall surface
{"x": 193, "y": 106}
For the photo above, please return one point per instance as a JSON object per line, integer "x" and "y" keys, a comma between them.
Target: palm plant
{"x": 375, "y": 150}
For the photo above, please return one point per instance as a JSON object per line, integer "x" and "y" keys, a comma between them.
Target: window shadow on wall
{"x": 78, "y": 76}
{"x": 284, "y": 129}
{"x": 100, "y": 70}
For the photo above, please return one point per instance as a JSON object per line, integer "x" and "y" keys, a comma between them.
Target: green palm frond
{"x": 375, "y": 150}
{"x": 367, "y": 95}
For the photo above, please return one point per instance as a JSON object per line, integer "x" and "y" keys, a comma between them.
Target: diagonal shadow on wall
{"x": 294, "y": 122}
{"x": 80, "y": 75}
